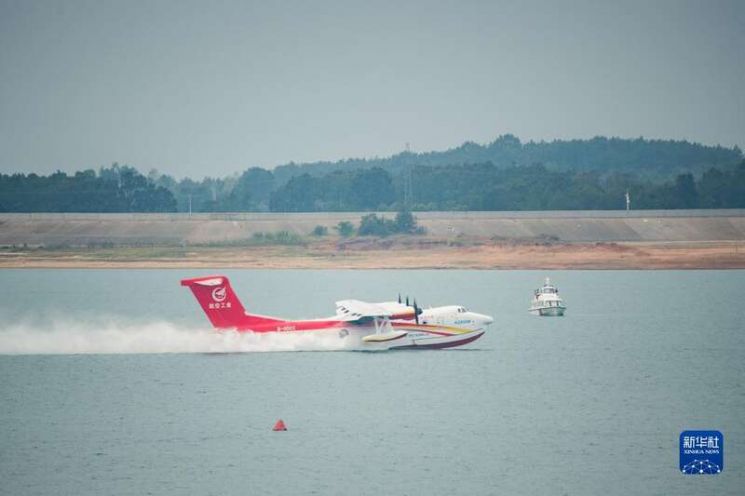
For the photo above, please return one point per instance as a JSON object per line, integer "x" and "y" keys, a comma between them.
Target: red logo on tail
{"x": 219, "y": 294}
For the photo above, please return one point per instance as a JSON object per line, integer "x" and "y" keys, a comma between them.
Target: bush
{"x": 405, "y": 223}
{"x": 278, "y": 238}
{"x": 320, "y": 231}
{"x": 345, "y": 228}
{"x": 372, "y": 225}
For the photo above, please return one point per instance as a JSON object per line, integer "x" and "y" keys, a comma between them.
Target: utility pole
{"x": 408, "y": 180}
{"x": 189, "y": 204}
{"x": 628, "y": 201}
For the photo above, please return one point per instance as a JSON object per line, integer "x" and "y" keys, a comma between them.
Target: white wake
{"x": 155, "y": 337}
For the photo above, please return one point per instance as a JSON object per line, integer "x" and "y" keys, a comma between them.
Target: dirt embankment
{"x": 472, "y": 240}
{"x": 391, "y": 254}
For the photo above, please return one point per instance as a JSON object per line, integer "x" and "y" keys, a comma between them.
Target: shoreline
{"x": 395, "y": 254}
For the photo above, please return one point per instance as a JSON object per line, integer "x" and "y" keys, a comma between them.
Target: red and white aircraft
{"x": 374, "y": 326}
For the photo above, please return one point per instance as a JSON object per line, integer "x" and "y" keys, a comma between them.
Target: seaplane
{"x": 398, "y": 325}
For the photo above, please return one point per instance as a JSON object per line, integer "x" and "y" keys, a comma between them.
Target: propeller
{"x": 417, "y": 309}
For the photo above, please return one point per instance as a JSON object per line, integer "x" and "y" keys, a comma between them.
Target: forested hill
{"x": 649, "y": 159}
{"x": 503, "y": 175}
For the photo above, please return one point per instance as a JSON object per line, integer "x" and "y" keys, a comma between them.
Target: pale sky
{"x": 211, "y": 88}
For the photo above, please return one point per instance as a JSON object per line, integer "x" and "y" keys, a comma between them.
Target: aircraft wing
{"x": 356, "y": 310}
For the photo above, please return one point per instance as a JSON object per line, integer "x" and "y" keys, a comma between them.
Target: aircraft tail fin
{"x": 221, "y": 304}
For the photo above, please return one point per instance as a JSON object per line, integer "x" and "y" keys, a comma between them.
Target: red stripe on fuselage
{"x": 320, "y": 325}
{"x": 295, "y": 325}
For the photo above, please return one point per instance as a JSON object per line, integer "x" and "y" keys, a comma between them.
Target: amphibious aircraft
{"x": 374, "y": 326}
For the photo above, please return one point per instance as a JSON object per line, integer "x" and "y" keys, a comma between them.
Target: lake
{"x": 112, "y": 383}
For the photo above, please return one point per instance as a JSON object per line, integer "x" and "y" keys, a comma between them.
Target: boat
{"x": 547, "y": 302}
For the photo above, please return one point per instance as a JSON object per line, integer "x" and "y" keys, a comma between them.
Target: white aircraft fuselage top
{"x": 455, "y": 316}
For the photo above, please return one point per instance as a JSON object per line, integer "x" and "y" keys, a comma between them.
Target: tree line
{"x": 657, "y": 160}
{"x": 488, "y": 187}
{"x": 113, "y": 189}
{"x": 416, "y": 182}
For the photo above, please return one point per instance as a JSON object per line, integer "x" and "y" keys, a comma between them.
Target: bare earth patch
{"x": 396, "y": 253}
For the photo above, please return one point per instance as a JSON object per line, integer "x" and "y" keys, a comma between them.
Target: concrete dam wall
{"x": 69, "y": 230}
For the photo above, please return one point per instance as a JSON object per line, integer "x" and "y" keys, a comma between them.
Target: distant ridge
{"x": 646, "y": 157}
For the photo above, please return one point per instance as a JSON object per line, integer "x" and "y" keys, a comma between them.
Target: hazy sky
{"x": 210, "y": 88}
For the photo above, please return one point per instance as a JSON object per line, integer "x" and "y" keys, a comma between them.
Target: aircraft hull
{"x": 418, "y": 337}
{"x": 440, "y": 342}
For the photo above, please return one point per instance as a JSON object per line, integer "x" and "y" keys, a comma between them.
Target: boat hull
{"x": 549, "y": 311}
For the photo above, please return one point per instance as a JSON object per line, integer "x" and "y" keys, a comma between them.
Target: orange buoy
{"x": 279, "y": 426}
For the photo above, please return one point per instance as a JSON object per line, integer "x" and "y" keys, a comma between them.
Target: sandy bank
{"x": 701, "y": 255}
{"x": 92, "y": 230}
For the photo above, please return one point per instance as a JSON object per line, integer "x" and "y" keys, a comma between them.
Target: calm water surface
{"x": 586, "y": 404}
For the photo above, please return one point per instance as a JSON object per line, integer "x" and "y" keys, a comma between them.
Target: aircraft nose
{"x": 487, "y": 320}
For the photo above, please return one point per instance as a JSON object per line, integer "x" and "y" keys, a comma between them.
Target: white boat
{"x": 547, "y": 302}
